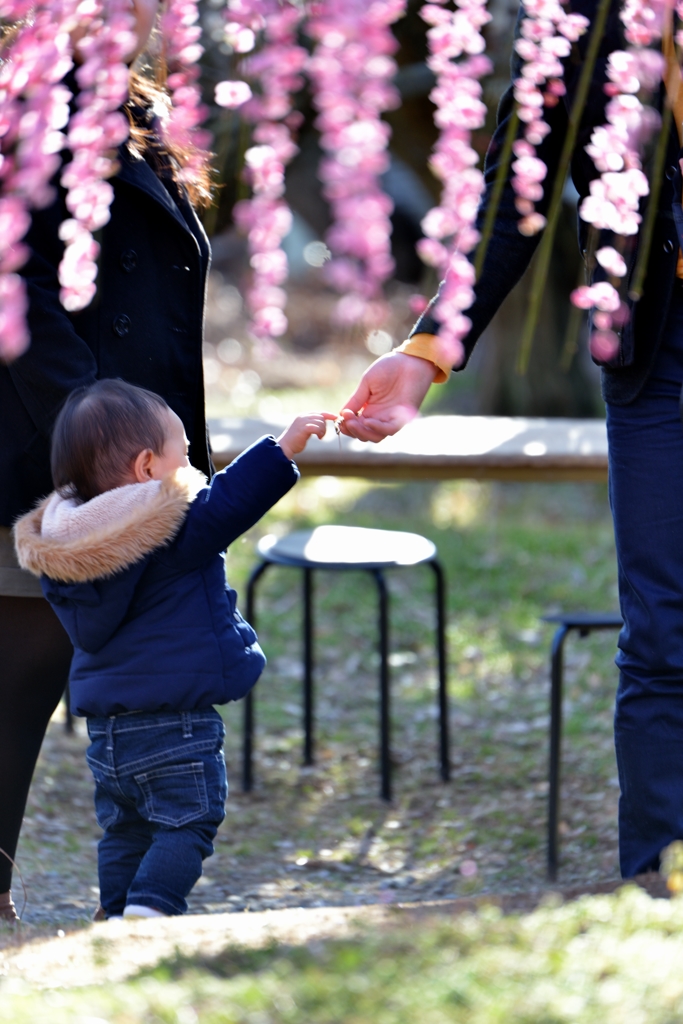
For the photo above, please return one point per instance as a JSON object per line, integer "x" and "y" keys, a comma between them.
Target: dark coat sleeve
{"x": 235, "y": 500}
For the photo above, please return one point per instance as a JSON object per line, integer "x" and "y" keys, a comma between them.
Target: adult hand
{"x": 389, "y": 395}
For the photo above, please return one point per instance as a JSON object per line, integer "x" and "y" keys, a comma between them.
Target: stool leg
{"x": 384, "y": 720}
{"x": 248, "y": 722}
{"x": 68, "y": 717}
{"x": 442, "y": 666}
{"x": 556, "y": 681}
{"x": 308, "y": 667}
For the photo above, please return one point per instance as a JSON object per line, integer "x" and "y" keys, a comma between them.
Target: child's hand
{"x": 294, "y": 438}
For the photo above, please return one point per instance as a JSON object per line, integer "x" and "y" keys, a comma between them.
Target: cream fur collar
{"x": 76, "y": 542}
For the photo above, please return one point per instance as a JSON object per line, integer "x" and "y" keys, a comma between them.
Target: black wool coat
{"x": 509, "y": 252}
{"x": 145, "y": 325}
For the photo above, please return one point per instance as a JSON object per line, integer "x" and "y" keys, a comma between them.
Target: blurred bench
{"x": 442, "y": 448}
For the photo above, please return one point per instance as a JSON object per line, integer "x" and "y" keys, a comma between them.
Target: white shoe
{"x": 137, "y": 910}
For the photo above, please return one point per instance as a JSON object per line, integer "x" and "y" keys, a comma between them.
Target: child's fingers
{"x": 317, "y": 426}
{"x": 317, "y": 422}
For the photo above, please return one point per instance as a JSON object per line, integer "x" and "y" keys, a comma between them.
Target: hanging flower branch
{"x": 547, "y": 33}
{"x": 449, "y": 227}
{"x": 266, "y": 218}
{"x": 33, "y": 111}
{"x": 95, "y": 131}
{"x": 180, "y": 129}
{"x": 616, "y": 149}
{"x": 351, "y": 71}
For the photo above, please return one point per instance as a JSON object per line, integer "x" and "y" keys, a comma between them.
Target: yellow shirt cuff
{"x": 428, "y": 346}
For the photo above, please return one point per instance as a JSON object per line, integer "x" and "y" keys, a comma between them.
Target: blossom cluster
{"x": 95, "y": 130}
{"x": 351, "y": 71}
{"x": 180, "y": 125}
{"x": 275, "y": 71}
{"x": 33, "y": 111}
{"x": 546, "y": 35}
{"x": 616, "y": 149}
{"x": 449, "y": 228}
{"x": 37, "y": 122}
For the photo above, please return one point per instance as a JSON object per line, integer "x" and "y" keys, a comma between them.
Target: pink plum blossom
{"x": 611, "y": 260}
{"x": 531, "y": 224}
{"x": 266, "y": 30}
{"x": 351, "y": 69}
{"x": 232, "y": 94}
{"x": 417, "y": 303}
{"x": 14, "y": 336}
{"x": 582, "y": 297}
{"x": 450, "y": 226}
{"x": 616, "y": 149}
{"x": 547, "y": 32}
{"x": 603, "y": 345}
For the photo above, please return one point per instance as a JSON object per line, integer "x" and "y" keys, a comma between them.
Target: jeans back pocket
{"x": 174, "y": 795}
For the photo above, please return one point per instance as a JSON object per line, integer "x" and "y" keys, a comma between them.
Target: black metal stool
{"x": 342, "y": 548}
{"x": 584, "y": 623}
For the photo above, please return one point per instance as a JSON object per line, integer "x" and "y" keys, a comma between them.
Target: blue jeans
{"x": 646, "y": 495}
{"x": 160, "y": 790}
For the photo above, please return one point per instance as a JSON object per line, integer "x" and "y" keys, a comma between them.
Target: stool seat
{"x": 586, "y": 620}
{"x": 351, "y": 548}
{"x": 347, "y": 547}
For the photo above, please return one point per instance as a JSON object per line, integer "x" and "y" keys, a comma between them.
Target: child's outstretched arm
{"x": 294, "y": 439}
{"x": 241, "y": 493}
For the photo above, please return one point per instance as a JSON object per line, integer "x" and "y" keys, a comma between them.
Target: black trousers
{"x": 646, "y": 494}
{"x": 35, "y": 655}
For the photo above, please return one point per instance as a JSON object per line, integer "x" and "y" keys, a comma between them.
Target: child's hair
{"x": 100, "y": 431}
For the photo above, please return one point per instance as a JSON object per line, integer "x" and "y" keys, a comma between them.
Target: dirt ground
{"x": 321, "y": 837}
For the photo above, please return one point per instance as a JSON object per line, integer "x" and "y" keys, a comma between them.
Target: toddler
{"x": 129, "y": 548}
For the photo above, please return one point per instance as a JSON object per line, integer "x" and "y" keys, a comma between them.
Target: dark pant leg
{"x": 646, "y": 493}
{"x": 171, "y": 867}
{"x": 35, "y": 654}
{"x": 120, "y": 852}
{"x": 160, "y": 795}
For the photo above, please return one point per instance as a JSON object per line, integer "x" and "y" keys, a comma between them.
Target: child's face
{"x": 174, "y": 454}
{"x": 150, "y": 466}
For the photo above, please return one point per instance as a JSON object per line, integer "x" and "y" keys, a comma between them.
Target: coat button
{"x": 671, "y": 173}
{"x": 121, "y": 325}
{"x": 668, "y": 246}
{"x": 129, "y": 260}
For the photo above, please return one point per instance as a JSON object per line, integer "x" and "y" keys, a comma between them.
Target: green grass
{"x": 600, "y": 960}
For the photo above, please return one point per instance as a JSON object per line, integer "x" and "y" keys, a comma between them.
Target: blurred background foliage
{"x": 561, "y": 381}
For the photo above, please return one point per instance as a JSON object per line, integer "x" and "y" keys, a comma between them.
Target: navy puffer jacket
{"x": 141, "y": 588}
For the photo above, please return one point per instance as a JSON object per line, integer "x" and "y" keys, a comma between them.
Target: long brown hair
{"x": 148, "y": 93}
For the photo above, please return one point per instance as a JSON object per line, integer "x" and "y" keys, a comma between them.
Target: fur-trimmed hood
{"x": 77, "y": 542}
{"x": 140, "y": 587}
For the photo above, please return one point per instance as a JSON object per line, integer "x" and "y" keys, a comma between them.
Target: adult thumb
{"x": 359, "y": 398}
